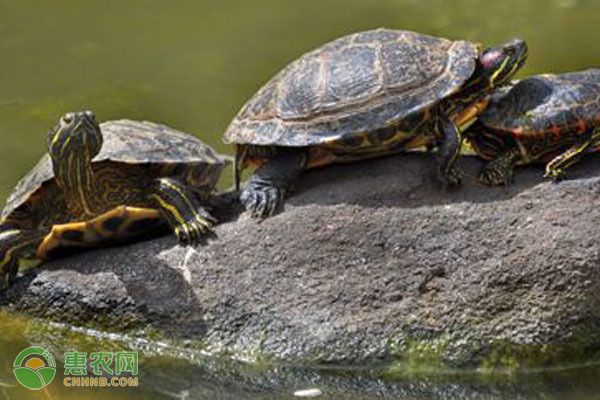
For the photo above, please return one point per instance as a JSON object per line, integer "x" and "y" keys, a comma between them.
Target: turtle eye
{"x": 68, "y": 118}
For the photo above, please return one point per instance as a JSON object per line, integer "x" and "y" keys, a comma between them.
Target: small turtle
{"x": 365, "y": 95}
{"x": 103, "y": 183}
{"x": 553, "y": 119}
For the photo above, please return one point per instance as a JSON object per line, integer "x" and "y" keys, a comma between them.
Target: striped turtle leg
{"x": 499, "y": 171}
{"x": 16, "y": 244}
{"x": 264, "y": 193}
{"x": 448, "y": 151}
{"x": 181, "y": 208}
{"x": 555, "y": 169}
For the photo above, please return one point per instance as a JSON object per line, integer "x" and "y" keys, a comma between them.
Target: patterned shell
{"x": 546, "y": 103}
{"x": 357, "y": 83}
{"x": 126, "y": 141}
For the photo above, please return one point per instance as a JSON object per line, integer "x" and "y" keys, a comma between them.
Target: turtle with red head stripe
{"x": 365, "y": 95}
{"x": 104, "y": 183}
{"x": 552, "y": 119}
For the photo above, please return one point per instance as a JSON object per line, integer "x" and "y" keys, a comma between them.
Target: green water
{"x": 192, "y": 64}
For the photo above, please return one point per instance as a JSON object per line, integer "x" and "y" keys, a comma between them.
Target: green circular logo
{"x": 34, "y": 368}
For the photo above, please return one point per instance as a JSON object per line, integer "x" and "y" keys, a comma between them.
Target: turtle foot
{"x": 195, "y": 230}
{"x": 450, "y": 178}
{"x": 491, "y": 176}
{"x": 556, "y": 174}
{"x": 262, "y": 200}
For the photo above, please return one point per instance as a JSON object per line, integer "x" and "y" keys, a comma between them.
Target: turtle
{"x": 364, "y": 95}
{"x": 103, "y": 183}
{"x": 548, "y": 118}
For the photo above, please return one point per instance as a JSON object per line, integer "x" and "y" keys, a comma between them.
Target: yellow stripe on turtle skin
{"x": 174, "y": 211}
{"x": 560, "y": 163}
{"x": 55, "y": 137}
{"x": 65, "y": 144}
{"x": 7, "y": 257}
{"x": 467, "y": 116}
{"x": 93, "y": 232}
{"x": 184, "y": 197}
{"x": 201, "y": 220}
{"x": 82, "y": 198}
{"x": 9, "y": 252}
{"x": 492, "y": 81}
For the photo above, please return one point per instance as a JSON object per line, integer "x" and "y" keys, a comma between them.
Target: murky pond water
{"x": 192, "y": 64}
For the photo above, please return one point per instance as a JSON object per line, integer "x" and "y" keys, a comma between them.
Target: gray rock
{"x": 369, "y": 262}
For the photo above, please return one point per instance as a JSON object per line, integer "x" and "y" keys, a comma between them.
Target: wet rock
{"x": 369, "y": 262}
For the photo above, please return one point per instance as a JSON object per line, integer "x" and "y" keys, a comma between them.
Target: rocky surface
{"x": 369, "y": 262}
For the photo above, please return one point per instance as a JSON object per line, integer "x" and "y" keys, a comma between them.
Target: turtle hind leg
{"x": 121, "y": 223}
{"x": 500, "y": 170}
{"x": 555, "y": 169}
{"x": 448, "y": 151}
{"x": 265, "y": 192}
{"x": 187, "y": 217}
{"x": 16, "y": 244}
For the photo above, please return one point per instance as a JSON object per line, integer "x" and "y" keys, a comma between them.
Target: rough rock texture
{"x": 370, "y": 261}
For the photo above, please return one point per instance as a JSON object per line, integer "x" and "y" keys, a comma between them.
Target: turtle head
{"x": 499, "y": 64}
{"x": 77, "y": 134}
{"x": 72, "y": 144}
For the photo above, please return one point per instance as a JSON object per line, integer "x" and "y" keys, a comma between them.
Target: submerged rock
{"x": 369, "y": 262}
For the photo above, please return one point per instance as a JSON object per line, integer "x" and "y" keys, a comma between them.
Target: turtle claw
{"x": 493, "y": 174}
{"x": 260, "y": 209}
{"x": 249, "y": 198}
{"x": 450, "y": 178}
{"x": 493, "y": 177}
{"x": 275, "y": 199}
{"x": 207, "y": 217}
{"x": 262, "y": 200}
{"x": 556, "y": 174}
{"x": 192, "y": 233}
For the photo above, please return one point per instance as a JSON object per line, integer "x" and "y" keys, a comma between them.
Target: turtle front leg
{"x": 555, "y": 169}
{"x": 180, "y": 207}
{"x": 16, "y": 244}
{"x": 448, "y": 151}
{"x": 500, "y": 170}
{"x": 265, "y": 192}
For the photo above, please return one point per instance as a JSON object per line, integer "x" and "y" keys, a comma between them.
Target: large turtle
{"x": 100, "y": 183}
{"x": 545, "y": 118}
{"x": 365, "y": 95}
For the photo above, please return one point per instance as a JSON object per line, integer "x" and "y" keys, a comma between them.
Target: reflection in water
{"x": 192, "y": 65}
{"x": 168, "y": 372}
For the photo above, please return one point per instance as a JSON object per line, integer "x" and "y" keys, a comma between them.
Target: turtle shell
{"x": 357, "y": 83}
{"x": 131, "y": 142}
{"x": 544, "y": 104}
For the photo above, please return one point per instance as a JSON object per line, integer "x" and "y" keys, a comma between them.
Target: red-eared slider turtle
{"x": 365, "y": 95}
{"x": 545, "y": 118}
{"x": 104, "y": 183}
